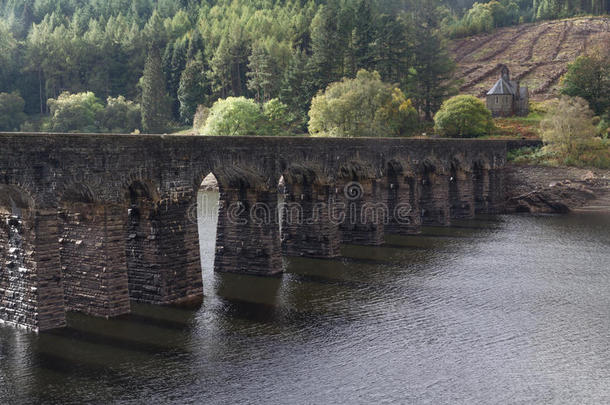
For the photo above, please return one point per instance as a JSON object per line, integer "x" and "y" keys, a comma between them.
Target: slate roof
{"x": 501, "y": 87}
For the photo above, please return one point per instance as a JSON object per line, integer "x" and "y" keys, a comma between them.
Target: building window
{"x": 497, "y": 99}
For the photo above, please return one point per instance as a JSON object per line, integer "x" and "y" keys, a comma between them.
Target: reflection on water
{"x": 505, "y": 309}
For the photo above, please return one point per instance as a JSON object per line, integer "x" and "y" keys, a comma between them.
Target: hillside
{"x": 537, "y": 54}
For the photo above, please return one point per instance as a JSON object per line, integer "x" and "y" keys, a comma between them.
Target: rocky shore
{"x": 542, "y": 189}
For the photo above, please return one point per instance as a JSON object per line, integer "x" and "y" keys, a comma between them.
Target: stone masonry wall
{"x": 159, "y": 238}
{"x": 309, "y": 226}
{"x": 93, "y": 262}
{"x": 246, "y": 243}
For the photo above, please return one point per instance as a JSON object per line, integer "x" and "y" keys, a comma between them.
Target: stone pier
{"x": 403, "y": 195}
{"x": 31, "y": 292}
{"x": 461, "y": 192}
{"x": 248, "y": 234}
{"x": 481, "y": 184}
{"x": 309, "y": 216}
{"x": 92, "y": 255}
{"x": 162, "y": 248}
{"x": 434, "y": 201}
{"x": 360, "y": 197}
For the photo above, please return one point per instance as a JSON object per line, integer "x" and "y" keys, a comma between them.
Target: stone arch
{"x": 248, "y": 239}
{"x": 356, "y": 170}
{"x": 139, "y": 189}
{"x": 308, "y": 226}
{"x": 204, "y": 213}
{"x": 77, "y": 192}
{"x": 15, "y": 200}
{"x": 361, "y": 196}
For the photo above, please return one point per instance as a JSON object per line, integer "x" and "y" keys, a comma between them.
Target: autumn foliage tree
{"x": 568, "y": 125}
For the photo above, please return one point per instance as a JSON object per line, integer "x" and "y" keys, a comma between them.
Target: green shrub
{"x": 11, "y": 111}
{"x": 463, "y": 117}
{"x": 75, "y": 112}
{"x": 235, "y": 116}
{"x": 279, "y": 118}
{"x": 120, "y": 116}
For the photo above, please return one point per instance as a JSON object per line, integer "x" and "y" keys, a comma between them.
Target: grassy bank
{"x": 595, "y": 153}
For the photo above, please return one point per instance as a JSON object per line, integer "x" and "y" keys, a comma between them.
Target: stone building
{"x": 507, "y": 97}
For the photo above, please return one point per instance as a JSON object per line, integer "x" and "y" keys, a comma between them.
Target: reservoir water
{"x": 507, "y": 309}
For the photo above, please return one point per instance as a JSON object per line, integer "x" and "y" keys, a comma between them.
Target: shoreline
{"x": 545, "y": 189}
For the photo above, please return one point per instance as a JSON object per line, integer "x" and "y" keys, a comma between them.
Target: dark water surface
{"x": 510, "y": 309}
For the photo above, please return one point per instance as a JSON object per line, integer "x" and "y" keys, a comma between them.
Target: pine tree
{"x": 195, "y": 46}
{"x": 193, "y": 88}
{"x": 363, "y": 35}
{"x": 260, "y": 75}
{"x": 431, "y": 80}
{"x": 220, "y": 70}
{"x": 326, "y": 62}
{"x": 155, "y": 105}
{"x": 391, "y": 49}
{"x": 177, "y": 66}
{"x": 167, "y": 63}
{"x": 295, "y": 90}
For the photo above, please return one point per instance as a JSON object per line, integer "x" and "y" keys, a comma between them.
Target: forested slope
{"x": 537, "y": 54}
{"x": 92, "y": 54}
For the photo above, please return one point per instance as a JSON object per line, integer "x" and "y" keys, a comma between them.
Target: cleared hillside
{"x": 537, "y": 54}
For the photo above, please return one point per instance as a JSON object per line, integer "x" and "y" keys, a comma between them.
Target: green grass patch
{"x": 595, "y": 153}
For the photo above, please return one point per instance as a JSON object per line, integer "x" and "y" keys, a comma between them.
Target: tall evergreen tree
{"x": 260, "y": 75}
{"x": 220, "y": 70}
{"x": 155, "y": 106}
{"x": 295, "y": 91}
{"x": 193, "y": 88}
{"x": 326, "y": 62}
{"x": 168, "y": 54}
{"x": 195, "y": 46}
{"x": 431, "y": 79}
{"x": 177, "y": 66}
{"x": 391, "y": 54}
{"x": 363, "y": 35}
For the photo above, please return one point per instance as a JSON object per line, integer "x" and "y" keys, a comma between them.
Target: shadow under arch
{"x": 461, "y": 191}
{"x": 248, "y": 240}
{"x": 403, "y": 193}
{"x": 30, "y": 274}
{"x": 434, "y": 199}
{"x": 481, "y": 185}
{"x": 360, "y": 194}
{"x": 309, "y": 224}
